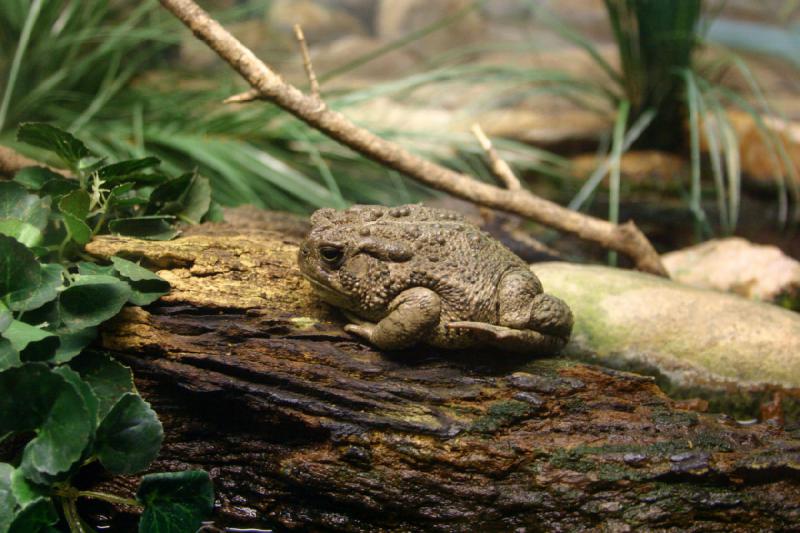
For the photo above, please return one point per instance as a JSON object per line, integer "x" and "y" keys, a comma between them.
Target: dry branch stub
{"x": 303, "y": 427}
{"x": 626, "y": 239}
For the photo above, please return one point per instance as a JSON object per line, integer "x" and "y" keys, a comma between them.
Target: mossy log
{"x": 302, "y": 426}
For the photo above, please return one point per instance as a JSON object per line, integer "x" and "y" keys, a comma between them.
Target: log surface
{"x": 302, "y": 426}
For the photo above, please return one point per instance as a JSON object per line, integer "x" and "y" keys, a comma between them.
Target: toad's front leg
{"x": 412, "y": 315}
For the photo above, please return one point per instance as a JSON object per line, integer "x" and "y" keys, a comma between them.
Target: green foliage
{"x": 174, "y": 501}
{"x": 655, "y": 41}
{"x": 75, "y": 405}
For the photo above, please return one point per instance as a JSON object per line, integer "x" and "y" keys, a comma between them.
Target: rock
{"x": 650, "y": 168}
{"x": 397, "y": 19}
{"x": 736, "y": 265}
{"x": 320, "y": 23}
{"x": 693, "y": 337}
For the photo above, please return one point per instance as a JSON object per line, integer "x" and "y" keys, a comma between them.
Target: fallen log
{"x": 302, "y": 426}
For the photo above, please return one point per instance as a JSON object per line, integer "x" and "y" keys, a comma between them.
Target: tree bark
{"x": 302, "y": 426}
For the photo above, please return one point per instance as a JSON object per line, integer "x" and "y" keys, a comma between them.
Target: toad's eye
{"x": 331, "y": 255}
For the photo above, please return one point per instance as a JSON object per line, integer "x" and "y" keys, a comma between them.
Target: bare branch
{"x": 499, "y": 167}
{"x": 242, "y": 98}
{"x": 312, "y": 78}
{"x": 625, "y": 238}
{"x": 11, "y": 161}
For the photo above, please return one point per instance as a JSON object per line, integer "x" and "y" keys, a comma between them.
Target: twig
{"x": 11, "y": 161}
{"x": 243, "y": 98}
{"x": 312, "y": 78}
{"x": 625, "y": 238}
{"x": 499, "y": 167}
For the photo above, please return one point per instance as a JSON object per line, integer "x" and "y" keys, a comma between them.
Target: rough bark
{"x": 302, "y": 426}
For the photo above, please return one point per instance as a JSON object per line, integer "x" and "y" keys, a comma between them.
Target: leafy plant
{"x": 79, "y": 405}
{"x": 676, "y": 103}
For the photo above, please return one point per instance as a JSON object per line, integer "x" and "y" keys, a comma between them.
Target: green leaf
{"x": 22, "y": 215}
{"x": 108, "y": 378}
{"x": 75, "y": 207}
{"x": 129, "y": 437}
{"x": 119, "y": 194}
{"x": 175, "y": 502}
{"x": 76, "y": 204}
{"x": 50, "y": 282}
{"x": 83, "y": 388}
{"x": 215, "y": 213}
{"x": 17, "y": 202}
{"x": 58, "y": 187}
{"x": 147, "y": 286}
{"x": 24, "y": 491}
{"x": 32, "y": 397}
{"x": 8, "y": 356}
{"x": 91, "y": 300}
{"x": 37, "y": 517}
{"x": 125, "y": 168}
{"x": 32, "y": 343}
{"x": 19, "y": 270}
{"x": 67, "y": 147}
{"x": 188, "y": 197}
{"x": 5, "y": 317}
{"x": 73, "y": 343}
{"x": 27, "y": 234}
{"x": 7, "y": 499}
{"x": 85, "y": 268}
{"x": 33, "y": 178}
{"x": 156, "y": 228}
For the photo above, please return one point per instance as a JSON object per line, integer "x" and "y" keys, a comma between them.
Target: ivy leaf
{"x": 19, "y": 270}
{"x": 17, "y": 203}
{"x": 215, "y": 213}
{"x": 108, "y": 378}
{"x": 116, "y": 171}
{"x": 33, "y": 178}
{"x": 36, "y": 517}
{"x": 32, "y": 343}
{"x": 7, "y": 499}
{"x": 50, "y": 281}
{"x": 26, "y": 233}
{"x": 37, "y": 399}
{"x": 5, "y": 317}
{"x": 83, "y": 388}
{"x": 60, "y": 186}
{"x": 90, "y": 301}
{"x": 129, "y": 437}
{"x": 175, "y": 502}
{"x": 188, "y": 197}
{"x": 86, "y": 268}
{"x": 24, "y": 491}
{"x": 22, "y": 215}
{"x": 73, "y": 343}
{"x": 74, "y": 208}
{"x": 8, "y": 357}
{"x": 63, "y": 144}
{"x": 156, "y": 228}
{"x": 147, "y": 287}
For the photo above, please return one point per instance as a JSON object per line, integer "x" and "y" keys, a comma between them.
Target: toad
{"x": 414, "y": 274}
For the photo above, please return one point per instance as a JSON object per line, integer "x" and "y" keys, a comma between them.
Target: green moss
{"x": 501, "y": 414}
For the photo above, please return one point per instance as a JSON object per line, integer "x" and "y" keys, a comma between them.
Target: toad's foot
{"x": 515, "y": 340}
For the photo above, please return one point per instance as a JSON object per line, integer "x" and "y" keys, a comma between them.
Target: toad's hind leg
{"x": 512, "y": 340}
{"x": 412, "y": 315}
{"x": 521, "y": 304}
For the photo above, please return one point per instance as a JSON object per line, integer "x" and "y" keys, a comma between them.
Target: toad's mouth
{"x": 328, "y": 294}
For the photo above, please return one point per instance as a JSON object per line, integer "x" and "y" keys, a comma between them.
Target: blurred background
{"x": 694, "y": 101}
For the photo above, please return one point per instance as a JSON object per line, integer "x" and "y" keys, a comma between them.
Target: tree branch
{"x": 499, "y": 167}
{"x": 625, "y": 238}
{"x": 12, "y": 161}
{"x": 307, "y": 65}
